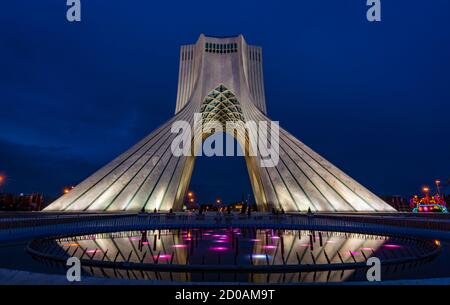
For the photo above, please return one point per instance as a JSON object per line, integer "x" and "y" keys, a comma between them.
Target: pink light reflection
{"x": 223, "y": 236}
{"x": 179, "y": 246}
{"x": 218, "y": 249}
{"x": 392, "y": 246}
{"x": 269, "y": 247}
{"x": 93, "y": 251}
{"x": 162, "y": 256}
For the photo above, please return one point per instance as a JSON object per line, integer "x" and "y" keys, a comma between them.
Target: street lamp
{"x": 68, "y": 189}
{"x": 438, "y": 183}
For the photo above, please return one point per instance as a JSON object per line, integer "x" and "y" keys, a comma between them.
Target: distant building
{"x": 238, "y": 206}
{"x": 397, "y": 202}
{"x": 191, "y": 205}
{"x": 21, "y": 202}
{"x": 7, "y": 202}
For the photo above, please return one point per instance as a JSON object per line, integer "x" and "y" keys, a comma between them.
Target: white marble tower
{"x": 221, "y": 78}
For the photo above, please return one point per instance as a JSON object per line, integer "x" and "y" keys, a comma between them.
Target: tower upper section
{"x": 228, "y": 60}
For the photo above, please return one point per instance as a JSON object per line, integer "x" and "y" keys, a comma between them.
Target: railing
{"x": 439, "y": 223}
{"x": 171, "y": 221}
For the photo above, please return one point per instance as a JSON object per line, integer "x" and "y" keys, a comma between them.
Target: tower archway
{"x": 221, "y": 112}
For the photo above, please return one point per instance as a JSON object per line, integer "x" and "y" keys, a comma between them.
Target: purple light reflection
{"x": 179, "y": 246}
{"x": 93, "y": 251}
{"x": 392, "y": 246}
{"x": 218, "y": 249}
{"x": 269, "y": 247}
{"x": 162, "y": 256}
{"x": 261, "y": 256}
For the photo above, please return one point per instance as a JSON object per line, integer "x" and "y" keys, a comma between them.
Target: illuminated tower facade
{"x": 221, "y": 79}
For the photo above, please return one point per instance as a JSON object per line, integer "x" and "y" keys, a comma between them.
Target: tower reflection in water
{"x": 229, "y": 247}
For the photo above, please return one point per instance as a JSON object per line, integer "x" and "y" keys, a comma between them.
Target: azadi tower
{"x": 222, "y": 79}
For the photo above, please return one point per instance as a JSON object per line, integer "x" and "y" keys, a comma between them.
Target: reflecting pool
{"x": 233, "y": 254}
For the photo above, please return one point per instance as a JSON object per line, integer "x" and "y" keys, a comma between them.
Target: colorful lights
{"x": 253, "y": 248}
{"x": 68, "y": 189}
{"x": 162, "y": 256}
{"x": 269, "y": 247}
{"x": 392, "y": 246}
{"x": 221, "y": 236}
{"x": 367, "y": 249}
{"x": 428, "y": 203}
{"x": 177, "y": 246}
{"x": 71, "y": 245}
{"x": 93, "y": 251}
{"x": 218, "y": 249}
{"x": 261, "y": 256}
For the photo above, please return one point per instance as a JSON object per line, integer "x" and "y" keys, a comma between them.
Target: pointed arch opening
{"x": 219, "y": 108}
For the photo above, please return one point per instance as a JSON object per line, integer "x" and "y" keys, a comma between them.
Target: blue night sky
{"x": 374, "y": 99}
